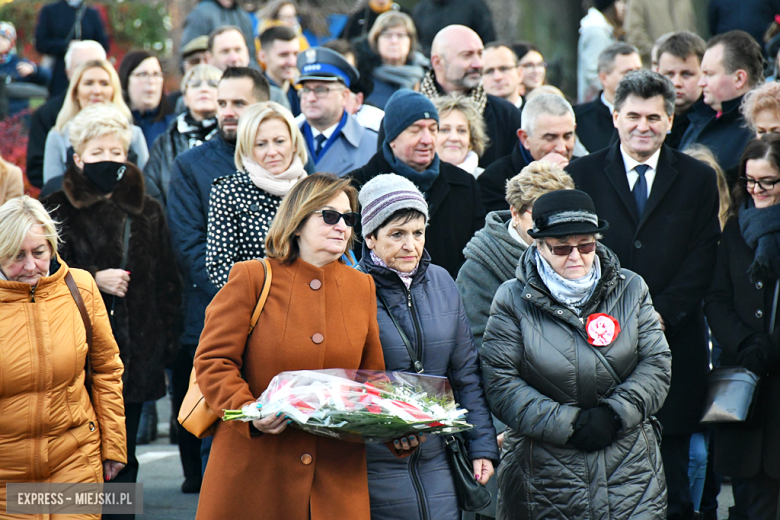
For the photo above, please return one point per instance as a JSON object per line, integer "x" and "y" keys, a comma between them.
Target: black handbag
{"x": 732, "y": 391}
{"x": 472, "y": 496}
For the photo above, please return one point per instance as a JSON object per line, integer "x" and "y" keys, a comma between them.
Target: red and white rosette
{"x": 602, "y": 329}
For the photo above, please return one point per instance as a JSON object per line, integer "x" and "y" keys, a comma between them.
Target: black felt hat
{"x": 563, "y": 213}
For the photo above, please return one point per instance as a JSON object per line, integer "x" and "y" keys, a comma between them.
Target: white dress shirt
{"x": 631, "y": 173}
{"x": 327, "y": 133}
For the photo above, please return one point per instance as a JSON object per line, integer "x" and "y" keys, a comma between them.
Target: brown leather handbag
{"x": 195, "y": 415}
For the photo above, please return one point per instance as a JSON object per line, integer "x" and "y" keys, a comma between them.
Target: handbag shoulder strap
{"x": 74, "y": 291}
{"x": 606, "y": 364}
{"x": 263, "y": 294}
{"x": 773, "y": 316}
{"x": 415, "y": 362}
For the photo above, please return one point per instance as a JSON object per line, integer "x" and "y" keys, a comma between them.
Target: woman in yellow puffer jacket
{"x": 50, "y": 429}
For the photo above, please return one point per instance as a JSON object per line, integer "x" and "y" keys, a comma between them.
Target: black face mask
{"x": 104, "y": 175}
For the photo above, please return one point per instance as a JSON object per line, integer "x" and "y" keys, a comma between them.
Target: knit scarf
{"x": 279, "y": 184}
{"x": 406, "y": 278}
{"x": 405, "y": 76}
{"x": 470, "y": 163}
{"x": 761, "y": 230}
{"x": 431, "y": 90}
{"x": 423, "y": 180}
{"x": 574, "y": 294}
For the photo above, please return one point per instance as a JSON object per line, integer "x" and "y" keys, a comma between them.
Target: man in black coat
{"x": 546, "y": 133}
{"x": 409, "y": 150}
{"x": 431, "y": 16}
{"x": 45, "y": 117}
{"x": 456, "y": 61}
{"x": 731, "y": 66}
{"x": 58, "y": 25}
{"x": 594, "y": 119}
{"x": 188, "y": 207}
{"x": 679, "y": 59}
{"x": 662, "y": 207}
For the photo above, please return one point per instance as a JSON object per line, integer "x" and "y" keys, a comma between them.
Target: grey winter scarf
{"x": 574, "y": 294}
{"x": 406, "y": 278}
{"x": 761, "y": 230}
{"x": 430, "y": 90}
{"x": 405, "y": 76}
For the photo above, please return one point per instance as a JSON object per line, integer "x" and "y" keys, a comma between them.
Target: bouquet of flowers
{"x": 359, "y": 405}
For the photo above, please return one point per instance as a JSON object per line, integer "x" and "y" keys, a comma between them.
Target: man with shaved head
{"x": 456, "y": 68}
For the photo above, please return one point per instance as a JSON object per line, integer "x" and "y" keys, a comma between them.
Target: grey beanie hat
{"x": 384, "y": 195}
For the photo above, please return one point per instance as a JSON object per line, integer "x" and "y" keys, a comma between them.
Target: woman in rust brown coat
{"x": 320, "y": 314}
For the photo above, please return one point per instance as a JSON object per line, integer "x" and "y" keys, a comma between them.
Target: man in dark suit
{"x": 546, "y": 133}
{"x": 662, "y": 207}
{"x": 594, "y": 119}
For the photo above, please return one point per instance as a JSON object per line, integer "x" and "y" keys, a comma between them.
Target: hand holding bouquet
{"x": 359, "y": 405}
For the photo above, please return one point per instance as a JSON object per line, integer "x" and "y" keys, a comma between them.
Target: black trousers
{"x": 189, "y": 445}
{"x": 763, "y": 494}
{"x": 129, "y": 473}
{"x": 675, "y": 451}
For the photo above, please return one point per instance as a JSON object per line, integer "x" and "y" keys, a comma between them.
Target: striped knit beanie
{"x": 385, "y": 194}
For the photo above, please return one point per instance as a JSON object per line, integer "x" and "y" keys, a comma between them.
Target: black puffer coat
{"x": 540, "y": 372}
{"x": 433, "y": 318}
{"x": 147, "y": 320}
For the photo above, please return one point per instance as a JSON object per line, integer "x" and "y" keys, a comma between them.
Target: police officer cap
{"x": 319, "y": 63}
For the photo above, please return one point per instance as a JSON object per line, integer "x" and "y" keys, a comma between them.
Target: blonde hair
{"x": 250, "y": 123}
{"x": 96, "y": 121}
{"x": 306, "y": 197}
{"x": 70, "y": 108}
{"x": 19, "y": 216}
{"x": 478, "y": 139}
{"x": 533, "y": 181}
{"x": 705, "y": 155}
{"x": 202, "y": 72}
{"x": 765, "y": 97}
{"x": 389, "y": 20}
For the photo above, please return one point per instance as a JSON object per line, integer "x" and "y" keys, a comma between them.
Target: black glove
{"x": 595, "y": 429}
{"x": 762, "y": 353}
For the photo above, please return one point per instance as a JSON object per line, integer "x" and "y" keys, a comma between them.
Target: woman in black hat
{"x": 575, "y": 363}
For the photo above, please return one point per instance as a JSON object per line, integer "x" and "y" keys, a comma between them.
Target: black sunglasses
{"x": 566, "y": 250}
{"x": 331, "y": 217}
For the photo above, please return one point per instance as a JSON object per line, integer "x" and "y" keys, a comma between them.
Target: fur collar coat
{"x": 146, "y": 321}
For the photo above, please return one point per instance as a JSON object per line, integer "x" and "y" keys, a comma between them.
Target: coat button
{"x": 306, "y": 459}
{"x": 253, "y": 207}
{"x": 318, "y": 338}
{"x": 315, "y": 284}
{"x": 638, "y": 244}
{"x": 759, "y": 284}
{"x": 759, "y": 313}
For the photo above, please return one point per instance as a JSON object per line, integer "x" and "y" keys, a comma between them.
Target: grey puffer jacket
{"x": 491, "y": 259}
{"x": 539, "y": 373}
{"x": 420, "y": 487}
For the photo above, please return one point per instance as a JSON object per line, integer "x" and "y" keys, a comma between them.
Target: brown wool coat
{"x": 294, "y": 474}
{"x": 11, "y": 181}
{"x": 50, "y": 431}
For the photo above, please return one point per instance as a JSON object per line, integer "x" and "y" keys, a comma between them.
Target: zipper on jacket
{"x": 32, "y": 293}
{"x": 422, "y": 502}
{"x": 413, "y": 311}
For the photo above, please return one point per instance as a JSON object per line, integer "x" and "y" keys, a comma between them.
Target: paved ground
{"x": 162, "y": 476}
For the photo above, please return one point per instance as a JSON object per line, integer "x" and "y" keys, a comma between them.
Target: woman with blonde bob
{"x": 270, "y": 154}
{"x": 320, "y": 314}
{"x": 93, "y": 82}
{"x": 462, "y": 138}
{"x": 389, "y": 56}
{"x": 117, "y": 233}
{"x": 761, "y": 109}
{"x": 53, "y": 430}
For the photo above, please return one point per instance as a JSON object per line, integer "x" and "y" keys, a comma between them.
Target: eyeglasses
{"x": 196, "y": 83}
{"x": 319, "y": 92}
{"x": 396, "y": 35}
{"x": 332, "y": 217}
{"x": 764, "y": 184}
{"x": 503, "y": 70}
{"x": 566, "y": 250}
{"x": 532, "y": 66}
{"x": 147, "y": 75}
